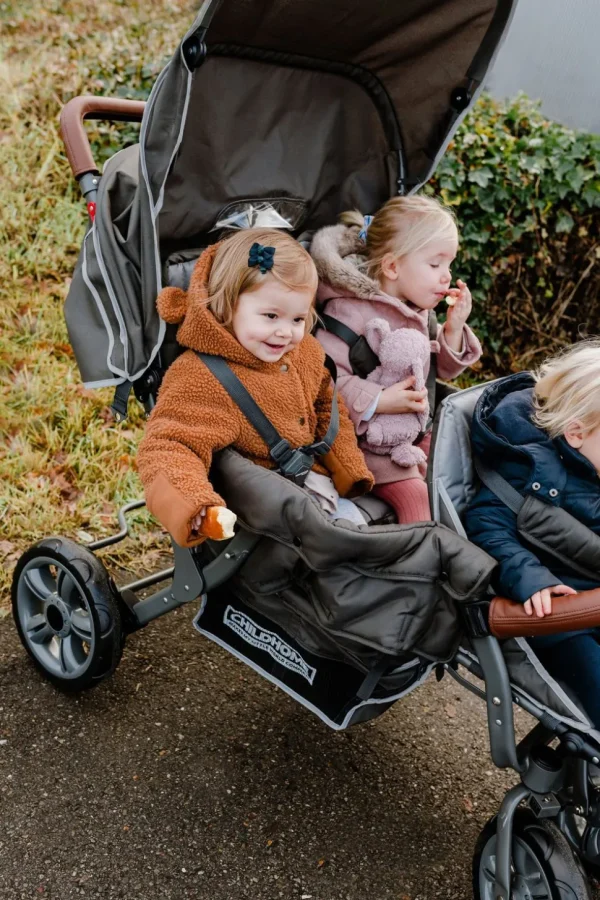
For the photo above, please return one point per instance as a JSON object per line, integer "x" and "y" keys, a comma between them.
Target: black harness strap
{"x": 294, "y": 464}
{"x": 430, "y": 383}
{"x": 364, "y": 360}
{"x": 373, "y": 677}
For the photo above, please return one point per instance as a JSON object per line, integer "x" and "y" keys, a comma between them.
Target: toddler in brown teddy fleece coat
{"x": 253, "y": 308}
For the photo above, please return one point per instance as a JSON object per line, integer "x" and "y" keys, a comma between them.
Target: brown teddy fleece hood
{"x": 195, "y": 417}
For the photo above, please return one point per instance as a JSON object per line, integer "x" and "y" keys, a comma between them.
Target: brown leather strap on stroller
{"x": 569, "y": 613}
{"x": 73, "y": 133}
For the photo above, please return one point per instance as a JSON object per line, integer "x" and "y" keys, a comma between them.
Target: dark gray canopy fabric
{"x": 418, "y": 50}
{"x": 333, "y": 104}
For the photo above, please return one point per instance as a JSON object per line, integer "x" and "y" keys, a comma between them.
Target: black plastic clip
{"x": 297, "y": 467}
{"x": 317, "y": 449}
{"x": 195, "y": 51}
{"x": 460, "y": 98}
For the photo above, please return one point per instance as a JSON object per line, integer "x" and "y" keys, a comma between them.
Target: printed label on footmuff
{"x": 268, "y": 641}
{"x": 326, "y": 686}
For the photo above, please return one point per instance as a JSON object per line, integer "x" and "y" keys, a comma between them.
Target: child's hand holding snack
{"x": 459, "y": 309}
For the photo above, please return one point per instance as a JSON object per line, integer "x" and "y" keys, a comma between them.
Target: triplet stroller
{"x": 285, "y": 114}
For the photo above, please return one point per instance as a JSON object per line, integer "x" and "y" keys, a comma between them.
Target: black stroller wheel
{"x": 543, "y": 864}
{"x": 67, "y": 615}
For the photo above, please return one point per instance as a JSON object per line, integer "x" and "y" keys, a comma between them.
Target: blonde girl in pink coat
{"x": 398, "y": 270}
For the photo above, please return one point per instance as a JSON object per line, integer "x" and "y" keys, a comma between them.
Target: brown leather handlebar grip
{"x": 570, "y": 612}
{"x": 73, "y": 133}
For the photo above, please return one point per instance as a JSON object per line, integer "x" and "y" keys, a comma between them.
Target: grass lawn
{"x": 65, "y": 467}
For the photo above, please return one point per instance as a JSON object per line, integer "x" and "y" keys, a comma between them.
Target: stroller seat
{"x": 453, "y": 484}
{"x": 451, "y": 474}
{"x": 178, "y": 271}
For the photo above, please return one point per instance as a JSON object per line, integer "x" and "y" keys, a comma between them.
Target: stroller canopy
{"x": 313, "y": 107}
{"x": 336, "y": 103}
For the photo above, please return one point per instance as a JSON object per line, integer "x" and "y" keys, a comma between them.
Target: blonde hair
{"x": 403, "y": 225}
{"x": 567, "y": 389}
{"x": 230, "y": 274}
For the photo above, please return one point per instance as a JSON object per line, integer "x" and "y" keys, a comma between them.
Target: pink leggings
{"x": 409, "y": 499}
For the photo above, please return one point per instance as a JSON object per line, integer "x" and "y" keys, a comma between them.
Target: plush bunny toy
{"x": 402, "y": 353}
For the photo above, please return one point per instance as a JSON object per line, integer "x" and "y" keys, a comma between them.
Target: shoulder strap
{"x": 498, "y": 485}
{"x": 334, "y": 420}
{"x": 362, "y": 358}
{"x": 279, "y": 448}
{"x": 247, "y": 403}
{"x": 431, "y": 377}
{"x": 339, "y": 329}
{"x": 430, "y": 384}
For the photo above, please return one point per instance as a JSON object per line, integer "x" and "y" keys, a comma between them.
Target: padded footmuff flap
{"x": 395, "y": 589}
{"x": 327, "y": 687}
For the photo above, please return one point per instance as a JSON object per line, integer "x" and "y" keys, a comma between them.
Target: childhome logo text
{"x": 268, "y": 641}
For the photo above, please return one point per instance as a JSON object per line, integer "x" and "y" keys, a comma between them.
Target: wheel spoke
{"x": 490, "y": 872}
{"x": 67, "y": 589}
{"x": 38, "y": 630}
{"x": 81, "y": 625}
{"x": 40, "y": 582}
{"x": 68, "y": 655}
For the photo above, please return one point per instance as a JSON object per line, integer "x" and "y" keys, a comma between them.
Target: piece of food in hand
{"x": 450, "y": 300}
{"x": 218, "y": 523}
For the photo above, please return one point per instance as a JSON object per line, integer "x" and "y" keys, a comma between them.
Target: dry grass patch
{"x": 65, "y": 467}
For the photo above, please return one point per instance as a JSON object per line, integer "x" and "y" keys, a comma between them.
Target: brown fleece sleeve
{"x": 193, "y": 418}
{"x": 345, "y": 461}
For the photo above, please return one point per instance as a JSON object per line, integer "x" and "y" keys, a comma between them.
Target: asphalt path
{"x": 188, "y": 776}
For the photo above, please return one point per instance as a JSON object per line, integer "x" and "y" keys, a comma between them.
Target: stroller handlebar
{"x": 570, "y": 612}
{"x": 75, "y": 139}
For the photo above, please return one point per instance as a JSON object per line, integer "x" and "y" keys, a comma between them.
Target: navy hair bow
{"x": 261, "y": 256}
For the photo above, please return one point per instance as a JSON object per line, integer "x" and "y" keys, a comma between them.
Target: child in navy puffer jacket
{"x": 541, "y": 433}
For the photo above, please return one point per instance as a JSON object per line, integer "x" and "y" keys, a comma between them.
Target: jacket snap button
{"x": 284, "y": 367}
{"x": 536, "y": 486}
{"x": 302, "y": 420}
{"x": 553, "y": 492}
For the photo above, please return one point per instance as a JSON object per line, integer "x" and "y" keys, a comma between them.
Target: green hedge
{"x": 526, "y": 192}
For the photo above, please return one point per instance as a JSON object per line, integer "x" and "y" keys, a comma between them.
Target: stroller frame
{"x": 555, "y": 782}
{"x": 553, "y": 787}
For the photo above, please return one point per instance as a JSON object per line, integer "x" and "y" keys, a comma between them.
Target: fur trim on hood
{"x": 337, "y": 252}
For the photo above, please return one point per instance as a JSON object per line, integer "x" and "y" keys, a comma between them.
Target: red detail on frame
{"x": 91, "y": 208}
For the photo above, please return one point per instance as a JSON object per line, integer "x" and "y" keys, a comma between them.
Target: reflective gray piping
{"x": 101, "y": 310}
{"x": 547, "y": 679}
{"x": 151, "y": 204}
{"x": 462, "y": 115}
{"x": 155, "y": 208}
{"x": 204, "y": 17}
{"x": 113, "y": 300}
{"x": 161, "y": 193}
{"x": 334, "y": 725}
{"x": 205, "y": 14}
{"x": 440, "y": 491}
{"x": 107, "y": 382}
